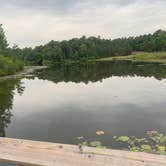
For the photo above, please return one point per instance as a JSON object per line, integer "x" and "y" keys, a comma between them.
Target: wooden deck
{"x": 34, "y": 153}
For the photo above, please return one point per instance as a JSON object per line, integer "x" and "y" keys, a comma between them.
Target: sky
{"x": 36, "y": 22}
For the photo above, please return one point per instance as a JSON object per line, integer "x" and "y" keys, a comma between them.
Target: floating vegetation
{"x": 96, "y": 144}
{"x": 82, "y": 141}
{"x": 100, "y": 132}
{"x": 122, "y": 138}
{"x": 80, "y": 138}
{"x": 154, "y": 142}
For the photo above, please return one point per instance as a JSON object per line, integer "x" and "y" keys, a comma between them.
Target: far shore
{"x": 156, "y": 57}
{"x": 27, "y": 70}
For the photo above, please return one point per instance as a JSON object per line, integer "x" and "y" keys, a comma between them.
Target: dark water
{"x": 65, "y": 102}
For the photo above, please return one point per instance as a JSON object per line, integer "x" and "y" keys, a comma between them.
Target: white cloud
{"x": 30, "y": 26}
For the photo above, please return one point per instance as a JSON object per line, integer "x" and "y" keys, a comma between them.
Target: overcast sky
{"x": 35, "y": 22}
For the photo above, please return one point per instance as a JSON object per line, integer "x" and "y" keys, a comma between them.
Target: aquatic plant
{"x": 96, "y": 144}
{"x": 87, "y": 142}
{"x": 100, "y": 132}
{"x": 154, "y": 142}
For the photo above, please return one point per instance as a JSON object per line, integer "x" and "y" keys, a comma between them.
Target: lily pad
{"x": 95, "y": 144}
{"x": 123, "y": 138}
{"x": 81, "y": 137}
{"x": 100, "y": 132}
{"x": 154, "y": 142}
{"x": 161, "y": 150}
{"x": 146, "y": 148}
{"x": 84, "y": 143}
{"x": 134, "y": 149}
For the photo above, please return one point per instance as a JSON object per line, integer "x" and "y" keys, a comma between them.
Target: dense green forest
{"x": 76, "y": 50}
{"x": 81, "y": 49}
{"x": 8, "y": 63}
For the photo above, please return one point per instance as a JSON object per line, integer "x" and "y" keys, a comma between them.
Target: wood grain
{"x": 34, "y": 153}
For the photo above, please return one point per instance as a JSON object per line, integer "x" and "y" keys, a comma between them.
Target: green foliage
{"x": 3, "y": 41}
{"x": 9, "y": 66}
{"x": 155, "y": 42}
{"x": 95, "y": 144}
{"x": 123, "y": 138}
{"x": 86, "y": 142}
{"x": 84, "y": 49}
{"x": 9, "y": 63}
{"x": 154, "y": 142}
{"x": 146, "y": 148}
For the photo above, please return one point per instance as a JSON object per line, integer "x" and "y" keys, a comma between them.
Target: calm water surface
{"x": 65, "y": 102}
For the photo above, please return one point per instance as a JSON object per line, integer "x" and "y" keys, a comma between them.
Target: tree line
{"x": 85, "y": 48}
{"x": 82, "y": 49}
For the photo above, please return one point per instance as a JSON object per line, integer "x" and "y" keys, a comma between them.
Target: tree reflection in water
{"x": 93, "y": 72}
{"x": 7, "y": 91}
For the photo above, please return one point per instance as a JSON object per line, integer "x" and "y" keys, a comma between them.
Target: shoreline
{"x": 131, "y": 60}
{"x": 153, "y": 57}
{"x": 24, "y": 72}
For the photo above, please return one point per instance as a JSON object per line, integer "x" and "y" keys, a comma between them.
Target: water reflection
{"x": 7, "y": 88}
{"x": 94, "y": 72}
{"x": 110, "y": 96}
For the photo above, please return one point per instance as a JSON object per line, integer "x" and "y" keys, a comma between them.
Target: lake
{"x": 68, "y": 101}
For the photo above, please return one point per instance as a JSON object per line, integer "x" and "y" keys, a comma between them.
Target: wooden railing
{"x": 36, "y": 153}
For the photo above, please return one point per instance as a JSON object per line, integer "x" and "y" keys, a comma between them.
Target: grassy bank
{"x": 159, "y": 57}
{"x": 9, "y": 66}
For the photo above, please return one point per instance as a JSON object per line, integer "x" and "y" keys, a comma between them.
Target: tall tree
{"x": 3, "y": 41}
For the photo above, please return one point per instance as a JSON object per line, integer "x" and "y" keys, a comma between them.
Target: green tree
{"x": 83, "y": 49}
{"x": 3, "y": 41}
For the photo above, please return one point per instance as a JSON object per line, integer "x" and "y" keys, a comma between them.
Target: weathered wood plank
{"x": 51, "y": 154}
